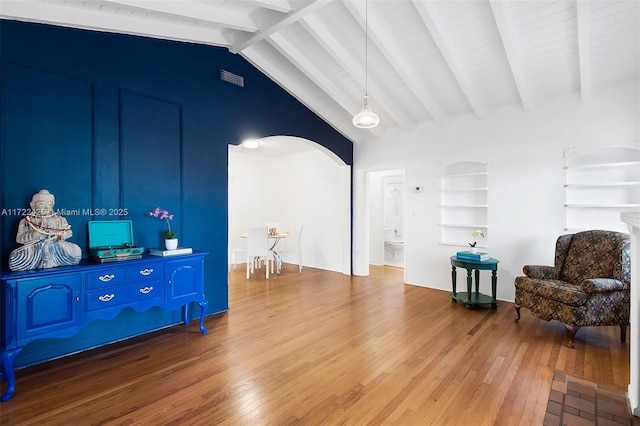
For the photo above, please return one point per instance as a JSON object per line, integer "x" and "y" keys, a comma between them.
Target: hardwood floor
{"x": 322, "y": 348}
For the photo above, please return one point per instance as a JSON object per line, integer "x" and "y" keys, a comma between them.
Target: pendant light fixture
{"x": 366, "y": 119}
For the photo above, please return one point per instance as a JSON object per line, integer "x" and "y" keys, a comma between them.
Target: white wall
{"x": 303, "y": 188}
{"x": 633, "y": 222}
{"x": 524, "y": 151}
{"x": 376, "y": 219}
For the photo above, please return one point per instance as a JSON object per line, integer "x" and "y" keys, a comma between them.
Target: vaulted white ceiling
{"x": 428, "y": 61}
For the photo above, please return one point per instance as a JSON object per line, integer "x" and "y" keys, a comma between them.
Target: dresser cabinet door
{"x": 46, "y": 306}
{"x": 184, "y": 280}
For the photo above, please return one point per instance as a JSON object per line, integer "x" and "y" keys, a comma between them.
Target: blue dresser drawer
{"x": 117, "y": 295}
{"x": 145, "y": 290}
{"x": 107, "y": 277}
{"x": 107, "y": 297}
{"x": 145, "y": 272}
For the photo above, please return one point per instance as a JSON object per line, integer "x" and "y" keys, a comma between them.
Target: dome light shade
{"x": 251, "y": 143}
{"x": 366, "y": 119}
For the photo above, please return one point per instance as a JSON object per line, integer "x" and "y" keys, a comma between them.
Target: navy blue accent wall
{"x": 115, "y": 122}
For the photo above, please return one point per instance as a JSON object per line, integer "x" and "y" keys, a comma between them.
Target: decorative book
{"x": 478, "y": 257}
{"x": 175, "y": 252}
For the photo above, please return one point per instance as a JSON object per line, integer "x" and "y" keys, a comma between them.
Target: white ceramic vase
{"x": 171, "y": 243}
{"x": 473, "y": 249}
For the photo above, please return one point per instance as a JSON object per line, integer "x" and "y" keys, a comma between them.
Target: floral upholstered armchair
{"x": 588, "y": 285}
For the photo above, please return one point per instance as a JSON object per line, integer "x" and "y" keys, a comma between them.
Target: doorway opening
{"x": 386, "y": 210}
{"x": 393, "y": 192}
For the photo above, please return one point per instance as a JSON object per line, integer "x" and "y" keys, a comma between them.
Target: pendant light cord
{"x": 366, "y": 48}
{"x": 366, "y": 118}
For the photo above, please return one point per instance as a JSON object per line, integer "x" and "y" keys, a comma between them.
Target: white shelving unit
{"x": 600, "y": 184}
{"x": 464, "y": 203}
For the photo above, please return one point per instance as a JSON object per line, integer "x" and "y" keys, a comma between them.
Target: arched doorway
{"x": 293, "y": 181}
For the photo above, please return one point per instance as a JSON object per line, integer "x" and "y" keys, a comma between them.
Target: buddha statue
{"x": 42, "y": 234}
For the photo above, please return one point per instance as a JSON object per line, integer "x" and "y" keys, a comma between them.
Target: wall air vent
{"x": 232, "y": 78}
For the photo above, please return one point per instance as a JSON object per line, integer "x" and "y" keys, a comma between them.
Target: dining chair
{"x": 234, "y": 255}
{"x": 297, "y": 249}
{"x": 258, "y": 250}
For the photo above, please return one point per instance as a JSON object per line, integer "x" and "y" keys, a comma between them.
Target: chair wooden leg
{"x": 572, "y": 335}
{"x": 267, "y": 265}
{"x": 623, "y": 333}
{"x": 518, "y": 312}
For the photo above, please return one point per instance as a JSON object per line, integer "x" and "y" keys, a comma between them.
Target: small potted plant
{"x": 475, "y": 234}
{"x": 170, "y": 236}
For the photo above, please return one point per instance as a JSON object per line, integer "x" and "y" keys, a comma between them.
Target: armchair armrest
{"x": 603, "y": 285}
{"x": 541, "y": 272}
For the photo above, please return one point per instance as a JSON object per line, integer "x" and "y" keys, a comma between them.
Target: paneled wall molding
{"x": 47, "y": 127}
{"x": 124, "y": 90}
{"x": 51, "y": 70}
{"x": 151, "y": 161}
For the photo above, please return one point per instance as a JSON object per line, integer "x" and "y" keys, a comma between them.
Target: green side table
{"x": 475, "y": 298}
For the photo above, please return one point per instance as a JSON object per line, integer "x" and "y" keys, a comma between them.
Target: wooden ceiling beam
{"x": 201, "y": 12}
{"x": 313, "y": 73}
{"x": 289, "y": 19}
{"x": 512, "y": 52}
{"x": 440, "y": 34}
{"x": 281, "y": 6}
{"x": 584, "y": 47}
{"x": 90, "y": 19}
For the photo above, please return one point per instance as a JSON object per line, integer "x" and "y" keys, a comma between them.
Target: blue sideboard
{"x": 59, "y": 302}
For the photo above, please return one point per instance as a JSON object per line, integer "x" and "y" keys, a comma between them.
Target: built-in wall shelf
{"x": 465, "y": 189}
{"x": 458, "y": 244}
{"x": 464, "y": 206}
{"x": 449, "y": 175}
{"x": 463, "y": 225}
{"x": 463, "y": 202}
{"x": 600, "y": 183}
{"x": 605, "y": 164}
{"x": 603, "y": 206}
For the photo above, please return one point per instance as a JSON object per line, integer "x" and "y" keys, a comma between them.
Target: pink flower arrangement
{"x": 166, "y": 216}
